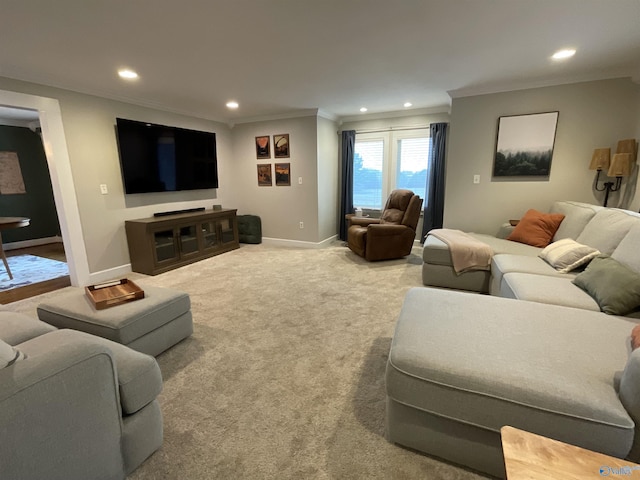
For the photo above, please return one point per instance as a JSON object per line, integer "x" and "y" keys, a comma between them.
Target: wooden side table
{"x": 528, "y": 456}
{"x": 5, "y": 224}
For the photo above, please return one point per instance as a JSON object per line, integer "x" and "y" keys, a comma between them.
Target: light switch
{"x": 299, "y": 180}
{"x": 476, "y": 179}
{"x": 103, "y": 189}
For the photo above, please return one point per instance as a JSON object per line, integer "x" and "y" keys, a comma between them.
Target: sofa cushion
{"x": 615, "y": 287}
{"x": 16, "y": 328}
{"x": 507, "y": 263}
{"x": 546, "y": 289}
{"x": 536, "y": 228}
{"x": 607, "y": 228}
{"x": 9, "y": 355}
{"x": 567, "y": 254}
{"x": 489, "y": 362}
{"x": 627, "y": 250}
{"x": 576, "y": 214}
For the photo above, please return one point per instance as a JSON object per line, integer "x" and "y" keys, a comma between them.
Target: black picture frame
{"x": 524, "y": 145}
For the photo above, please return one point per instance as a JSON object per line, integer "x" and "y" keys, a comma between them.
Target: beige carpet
{"x": 283, "y": 377}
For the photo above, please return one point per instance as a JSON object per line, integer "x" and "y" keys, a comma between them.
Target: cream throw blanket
{"x": 467, "y": 253}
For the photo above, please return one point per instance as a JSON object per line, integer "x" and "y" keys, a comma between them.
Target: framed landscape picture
{"x": 264, "y": 175}
{"x": 283, "y": 174}
{"x": 263, "y": 147}
{"x": 281, "y": 145}
{"x": 524, "y": 145}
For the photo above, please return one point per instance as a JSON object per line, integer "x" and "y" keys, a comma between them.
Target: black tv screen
{"x": 157, "y": 158}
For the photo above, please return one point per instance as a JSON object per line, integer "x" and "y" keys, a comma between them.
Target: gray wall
{"x": 281, "y": 208}
{"x": 90, "y": 134}
{"x": 328, "y": 183}
{"x": 592, "y": 114}
{"x": 37, "y": 203}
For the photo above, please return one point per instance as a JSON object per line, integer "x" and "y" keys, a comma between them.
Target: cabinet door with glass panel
{"x": 218, "y": 233}
{"x": 165, "y": 246}
{"x": 175, "y": 243}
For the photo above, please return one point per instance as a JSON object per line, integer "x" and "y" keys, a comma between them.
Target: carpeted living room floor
{"x": 284, "y": 374}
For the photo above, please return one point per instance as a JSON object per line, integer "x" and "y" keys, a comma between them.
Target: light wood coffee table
{"x": 528, "y": 456}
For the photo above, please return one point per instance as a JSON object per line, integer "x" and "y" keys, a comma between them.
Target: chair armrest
{"x": 364, "y": 221}
{"x": 61, "y": 399}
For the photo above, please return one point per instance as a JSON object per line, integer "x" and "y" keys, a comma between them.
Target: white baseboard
{"x": 115, "y": 273}
{"x": 123, "y": 270}
{"x": 283, "y": 242}
{"x": 31, "y": 243}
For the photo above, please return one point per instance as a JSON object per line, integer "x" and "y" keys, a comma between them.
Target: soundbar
{"x": 176, "y": 212}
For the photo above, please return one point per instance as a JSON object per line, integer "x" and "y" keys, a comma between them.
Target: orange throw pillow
{"x": 536, "y": 228}
{"x": 635, "y": 337}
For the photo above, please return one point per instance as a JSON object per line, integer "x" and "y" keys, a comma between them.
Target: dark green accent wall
{"x": 37, "y": 203}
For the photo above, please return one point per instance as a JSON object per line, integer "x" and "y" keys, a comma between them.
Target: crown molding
{"x": 413, "y": 112}
{"x": 310, "y": 112}
{"x": 526, "y": 85}
{"x": 44, "y": 81}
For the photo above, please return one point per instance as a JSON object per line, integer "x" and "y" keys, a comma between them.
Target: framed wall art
{"x": 263, "y": 147}
{"x": 281, "y": 145}
{"x": 283, "y": 174}
{"x": 264, "y": 175}
{"x": 524, "y": 145}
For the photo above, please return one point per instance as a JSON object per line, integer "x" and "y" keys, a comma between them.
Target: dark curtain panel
{"x": 346, "y": 195}
{"x": 434, "y": 198}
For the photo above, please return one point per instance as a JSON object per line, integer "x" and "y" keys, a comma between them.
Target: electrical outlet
{"x": 103, "y": 189}
{"x": 301, "y": 224}
{"x": 476, "y": 179}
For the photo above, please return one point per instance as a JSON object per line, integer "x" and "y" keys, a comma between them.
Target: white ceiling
{"x": 282, "y": 56}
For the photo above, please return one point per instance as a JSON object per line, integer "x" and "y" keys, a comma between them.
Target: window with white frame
{"x": 385, "y": 161}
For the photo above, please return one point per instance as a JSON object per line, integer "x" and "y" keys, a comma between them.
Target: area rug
{"x": 28, "y": 269}
{"x": 283, "y": 377}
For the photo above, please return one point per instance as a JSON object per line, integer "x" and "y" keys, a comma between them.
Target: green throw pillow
{"x": 614, "y": 286}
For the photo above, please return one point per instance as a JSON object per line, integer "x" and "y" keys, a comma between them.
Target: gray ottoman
{"x": 149, "y": 325}
{"x": 461, "y": 366}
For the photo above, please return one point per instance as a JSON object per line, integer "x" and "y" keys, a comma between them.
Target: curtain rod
{"x": 389, "y": 129}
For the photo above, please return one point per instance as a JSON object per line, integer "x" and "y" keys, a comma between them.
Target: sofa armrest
{"x": 60, "y": 413}
{"x": 505, "y": 230}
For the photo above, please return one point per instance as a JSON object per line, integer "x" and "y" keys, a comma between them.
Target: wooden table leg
{"x": 4, "y": 259}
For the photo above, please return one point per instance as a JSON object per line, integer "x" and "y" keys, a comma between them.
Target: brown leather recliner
{"x": 391, "y": 235}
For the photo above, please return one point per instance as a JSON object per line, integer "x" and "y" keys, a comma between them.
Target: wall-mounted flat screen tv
{"x": 158, "y": 158}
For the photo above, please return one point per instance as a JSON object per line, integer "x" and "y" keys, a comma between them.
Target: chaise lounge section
{"x": 462, "y": 365}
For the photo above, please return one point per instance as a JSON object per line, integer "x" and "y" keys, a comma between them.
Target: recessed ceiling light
{"x": 233, "y": 105}
{"x": 563, "y": 54}
{"x": 407, "y": 104}
{"x": 363, "y": 109}
{"x": 127, "y": 74}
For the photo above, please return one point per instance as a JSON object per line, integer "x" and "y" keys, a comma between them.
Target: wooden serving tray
{"x": 114, "y": 293}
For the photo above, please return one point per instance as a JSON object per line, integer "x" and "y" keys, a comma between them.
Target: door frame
{"x": 64, "y": 193}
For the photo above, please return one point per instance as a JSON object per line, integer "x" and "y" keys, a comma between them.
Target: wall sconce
{"x": 619, "y": 166}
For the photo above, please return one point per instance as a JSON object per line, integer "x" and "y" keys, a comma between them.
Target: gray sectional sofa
{"x": 73, "y": 405}
{"x": 463, "y": 365}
